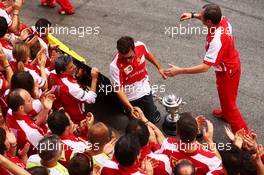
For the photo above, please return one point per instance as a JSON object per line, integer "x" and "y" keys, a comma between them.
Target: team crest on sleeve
{"x": 128, "y": 69}
{"x": 173, "y": 161}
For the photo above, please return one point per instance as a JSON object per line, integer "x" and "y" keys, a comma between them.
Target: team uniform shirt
{"x": 162, "y": 161}
{"x": 71, "y": 145}
{"x": 113, "y": 168}
{"x": 34, "y": 72}
{"x": 25, "y": 130}
{"x": 4, "y": 14}
{"x": 7, "y": 49}
{"x": 3, "y": 87}
{"x": 3, "y": 84}
{"x": 205, "y": 161}
{"x": 99, "y": 161}
{"x": 35, "y": 160}
{"x": 133, "y": 76}
{"x": 220, "y": 48}
{"x": 13, "y": 159}
{"x": 72, "y": 97}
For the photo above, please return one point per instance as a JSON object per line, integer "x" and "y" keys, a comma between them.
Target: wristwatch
{"x": 192, "y": 14}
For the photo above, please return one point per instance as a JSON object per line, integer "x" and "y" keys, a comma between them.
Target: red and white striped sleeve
{"x": 78, "y": 93}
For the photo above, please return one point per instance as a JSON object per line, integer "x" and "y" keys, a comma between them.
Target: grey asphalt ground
{"x": 146, "y": 20}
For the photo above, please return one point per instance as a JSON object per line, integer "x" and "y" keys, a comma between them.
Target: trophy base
{"x": 169, "y": 124}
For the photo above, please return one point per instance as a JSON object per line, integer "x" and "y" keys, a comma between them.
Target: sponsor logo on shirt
{"x": 128, "y": 69}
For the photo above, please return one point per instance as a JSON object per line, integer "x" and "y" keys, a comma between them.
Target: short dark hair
{"x": 3, "y": 147}
{"x": 34, "y": 49}
{"x": 124, "y": 44}
{"x": 3, "y": 27}
{"x": 38, "y": 170}
{"x": 14, "y": 100}
{"x": 57, "y": 122}
{"x": 49, "y": 147}
{"x": 41, "y": 24}
{"x": 127, "y": 149}
{"x": 237, "y": 161}
{"x": 61, "y": 63}
{"x": 139, "y": 129}
{"x": 181, "y": 164}
{"x": 212, "y": 12}
{"x": 80, "y": 164}
{"x": 187, "y": 127}
{"x": 23, "y": 80}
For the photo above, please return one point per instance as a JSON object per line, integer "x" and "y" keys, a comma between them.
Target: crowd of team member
{"x": 45, "y": 130}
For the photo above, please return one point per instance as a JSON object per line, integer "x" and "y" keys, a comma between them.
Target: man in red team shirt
{"x": 223, "y": 56}
{"x": 206, "y": 159}
{"x": 129, "y": 76}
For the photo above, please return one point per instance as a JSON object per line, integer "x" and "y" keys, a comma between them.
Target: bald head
{"x": 19, "y": 100}
{"x": 99, "y": 134}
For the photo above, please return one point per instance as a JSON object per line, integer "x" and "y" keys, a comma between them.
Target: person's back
{"x": 49, "y": 152}
{"x": 227, "y": 56}
{"x": 126, "y": 152}
{"x": 188, "y": 148}
{"x": 35, "y": 160}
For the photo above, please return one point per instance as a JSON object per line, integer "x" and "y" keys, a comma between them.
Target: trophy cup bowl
{"x": 172, "y": 105}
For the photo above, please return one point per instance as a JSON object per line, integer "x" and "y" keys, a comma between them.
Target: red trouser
{"x": 227, "y": 86}
{"x": 65, "y": 4}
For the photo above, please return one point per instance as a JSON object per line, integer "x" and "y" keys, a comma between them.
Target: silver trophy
{"x": 173, "y": 105}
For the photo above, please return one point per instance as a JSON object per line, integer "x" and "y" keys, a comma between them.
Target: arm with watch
{"x": 15, "y": 19}
{"x": 189, "y": 15}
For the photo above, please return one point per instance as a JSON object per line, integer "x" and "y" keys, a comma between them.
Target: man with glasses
{"x": 129, "y": 76}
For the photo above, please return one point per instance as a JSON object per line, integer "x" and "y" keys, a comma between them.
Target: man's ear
{"x": 21, "y": 108}
{"x": 67, "y": 130}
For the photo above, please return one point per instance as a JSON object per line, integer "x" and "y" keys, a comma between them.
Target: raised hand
{"x": 208, "y": 135}
{"x": 185, "y": 16}
{"x": 94, "y": 73}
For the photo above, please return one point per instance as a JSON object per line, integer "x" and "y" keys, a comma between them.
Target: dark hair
{"x": 23, "y": 80}
{"x": 181, "y": 164}
{"x": 80, "y": 164}
{"x": 41, "y": 24}
{"x": 127, "y": 149}
{"x": 124, "y": 44}
{"x": 187, "y": 128}
{"x": 237, "y": 161}
{"x": 38, "y": 170}
{"x": 3, "y": 27}
{"x": 34, "y": 49}
{"x": 57, "y": 122}
{"x": 14, "y": 100}
{"x": 49, "y": 147}
{"x": 212, "y": 12}
{"x": 138, "y": 128}
{"x": 2, "y": 141}
{"x": 61, "y": 63}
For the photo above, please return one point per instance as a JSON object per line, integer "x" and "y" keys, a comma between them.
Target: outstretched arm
{"x": 175, "y": 70}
